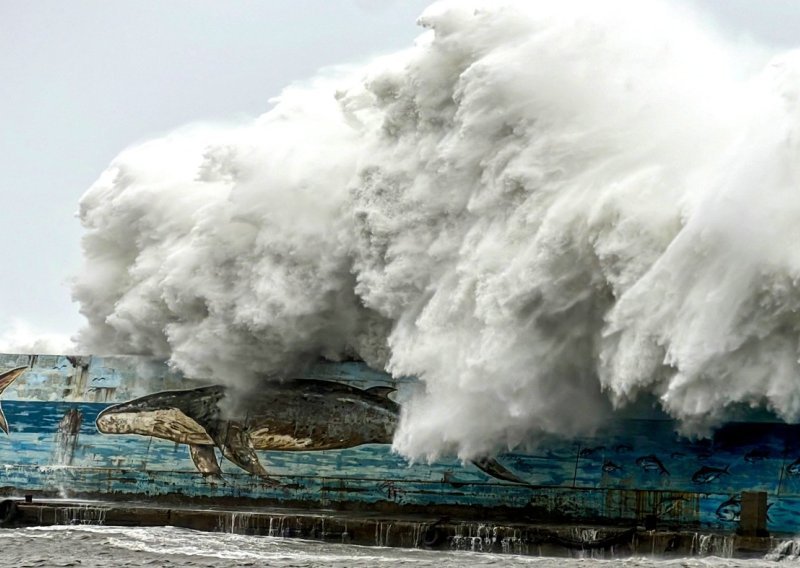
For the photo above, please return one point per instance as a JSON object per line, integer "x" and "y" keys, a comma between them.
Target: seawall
{"x": 408, "y": 531}
{"x": 635, "y": 472}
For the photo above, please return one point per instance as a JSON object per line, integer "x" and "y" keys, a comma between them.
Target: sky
{"x": 82, "y": 80}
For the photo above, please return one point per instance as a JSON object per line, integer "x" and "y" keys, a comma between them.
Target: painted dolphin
{"x": 294, "y": 415}
{"x": 6, "y": 378}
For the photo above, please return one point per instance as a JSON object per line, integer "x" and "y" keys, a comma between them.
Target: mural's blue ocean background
{"x": 636, "y": 465}
{"x": 692, "y": 481}
{"x": 167, "y": 546}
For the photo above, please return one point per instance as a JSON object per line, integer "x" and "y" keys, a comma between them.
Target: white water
{"x": 542, "y": 210}
{"x": 167, "y": 546}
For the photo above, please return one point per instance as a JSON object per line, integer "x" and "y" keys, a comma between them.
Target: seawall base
{"x": 397, "y": 531}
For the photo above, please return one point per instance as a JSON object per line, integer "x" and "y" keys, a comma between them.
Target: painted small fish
{"x": 707, "y": 474}
{"x": 793, "y": 468}
{"x": 589, "y": 452}
{"x": 610, "y": 467}
{"x": 756, "y": 455}
{"x": 623, "y": 448}
{"x": 652, "y": 463}
{"x": 675, "y": 455}
{"x": 730, "y": 510}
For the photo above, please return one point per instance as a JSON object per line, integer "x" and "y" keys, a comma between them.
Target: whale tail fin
{"x": 493, "y": 468}
{"x": 6, "y": 379}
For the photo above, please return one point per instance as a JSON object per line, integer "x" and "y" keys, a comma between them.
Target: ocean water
{"x": 168, "y": 546}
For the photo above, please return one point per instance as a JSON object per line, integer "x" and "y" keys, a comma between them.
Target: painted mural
{"x": 295, "y": 415}
{"x": 127, "y": 427}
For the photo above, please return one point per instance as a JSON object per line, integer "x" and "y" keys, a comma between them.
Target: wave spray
{"x": 542, "y": 212}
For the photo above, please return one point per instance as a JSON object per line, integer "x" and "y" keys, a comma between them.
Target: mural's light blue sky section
{"x": 81, "y": 80}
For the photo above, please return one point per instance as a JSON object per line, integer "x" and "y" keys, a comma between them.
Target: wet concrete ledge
{"x": 378, "y": 529}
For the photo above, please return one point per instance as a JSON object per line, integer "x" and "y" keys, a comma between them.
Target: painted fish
{"x": 793, "y": 468}
{"x": 589, "y": 452}
{"x": 651, "y": 463}
{"x": 756, "y": 455}
{"x": 294, "y": 415}
{"x": 623, "y": 448}
{"x": 731, "y": 510}
{"x": 610, "y": 467}
{"x": 6, "y": 378}
{"x": 707, "y": 474}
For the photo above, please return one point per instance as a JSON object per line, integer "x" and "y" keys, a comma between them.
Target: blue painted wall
{"x": 635, "y": 467}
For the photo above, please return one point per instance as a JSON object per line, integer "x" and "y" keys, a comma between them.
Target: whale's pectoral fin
{"x": 234, "y": 441}
{"x": 205, "y": 460}
{"x": 492, "y": 467}
{"x": 6, "y": 378}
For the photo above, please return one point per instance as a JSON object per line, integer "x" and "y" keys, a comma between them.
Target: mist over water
{"x": 543, "y": 212}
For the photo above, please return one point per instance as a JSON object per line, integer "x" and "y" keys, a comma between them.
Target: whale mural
{"x": 294, "y": 415}
{"x": 133, "y": 428}
{"x": 6, "y": 378}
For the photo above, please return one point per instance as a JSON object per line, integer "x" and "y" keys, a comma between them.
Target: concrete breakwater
{"x": 636, "y": 468}
{"x": 112, "y": 430}
{"x": 399, "y": 531}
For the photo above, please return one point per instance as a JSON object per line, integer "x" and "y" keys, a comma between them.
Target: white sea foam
{"x": 169, "y": 546}
{"x": 542, "y": 210}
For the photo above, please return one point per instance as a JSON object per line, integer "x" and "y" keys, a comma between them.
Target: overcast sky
{"x": 81, "y": 80}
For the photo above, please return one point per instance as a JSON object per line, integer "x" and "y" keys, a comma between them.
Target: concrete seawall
{"x": 115, "y": 431}
{"x": 396, "y": 531}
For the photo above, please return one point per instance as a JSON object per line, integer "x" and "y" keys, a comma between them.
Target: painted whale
{"x": 6, "y": 378}
{"x": 294, "y": 415}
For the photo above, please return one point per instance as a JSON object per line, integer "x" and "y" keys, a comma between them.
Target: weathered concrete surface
{"x": 753, "y": 518}
{"x": 400, "y": 531}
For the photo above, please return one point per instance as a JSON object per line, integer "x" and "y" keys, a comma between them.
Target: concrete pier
{"x": 398, "y": 531}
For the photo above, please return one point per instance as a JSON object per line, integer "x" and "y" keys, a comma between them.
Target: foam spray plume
{"x": 540, "y": 211}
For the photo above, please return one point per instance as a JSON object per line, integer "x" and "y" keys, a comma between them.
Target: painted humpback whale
{"x": 294, "y": 415}
{"x": 6, "y": 378}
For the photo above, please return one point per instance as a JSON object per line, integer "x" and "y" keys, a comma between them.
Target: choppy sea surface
{"x": 168, "y": 546}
